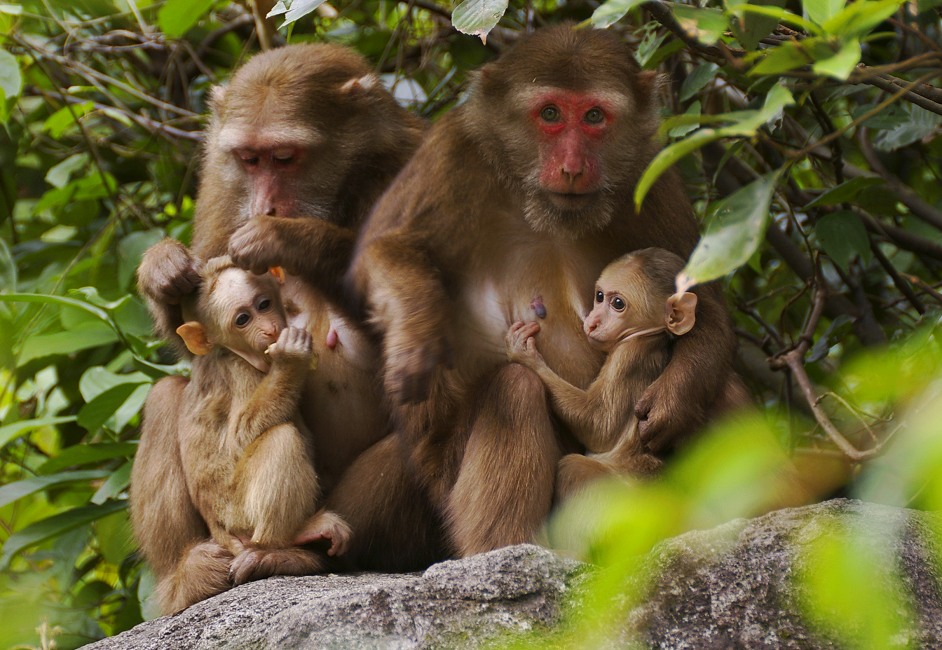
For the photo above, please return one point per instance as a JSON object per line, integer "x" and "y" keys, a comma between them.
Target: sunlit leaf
{"x": 821, "y": 10}
{"x": 611, "y": 11}
{"x": 85, "y": 454}
{"x": 131, "y": 250}
{"x": 737, "y": 228}
{"x": 176, "y": 17}
{"x": 87, "y": 335}
{"x": 15, "y": 430}
{"x": 19, "y": 489}
{"x": 841, "y": 64}
{"x": 64, "y": 119}
{"x": 478, "y": 17}
{"x": 94, "y": 414}
{"x": 294, "y": 10}
{"x": 904, "y": 369}
{"x": 705, "y": 25}
{"x": 11, "y": 82}
{"x": 917, "y": 124}
{"x": 116, "y": 483}
{"x": 46, "y": 529}
{"x": 859, "y": 18}
{"x": 783, "y": 58}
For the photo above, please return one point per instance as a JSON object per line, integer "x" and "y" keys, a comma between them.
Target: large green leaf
{"x": 783, "y": 58}
{"x": 87, "y": 335}
{"x": 737, "y": 228}
{"x": 19, "y": 489}
{"x": 478, "y": 17}
{"x": 706, "y": 25}
{"x": 843, "y": 237}
{"x": 84, "y": 454}
{"x": 110, "y": 405}
{"x": 821, "y": 11}
{"x": 54, "y": 526}
{"x": 11, "y": 82}
{"x": 176, "y": 17}
{"x": 750, "y": 28}
{"x": 842, "y": 63}
{"x": 17, "y": 429}
{"x": 917, "y": 124}
{"x": 7, "y": 268}
{"x": 860, "y": 18}
{"x": 610, "y": 12}
{"x": 845, "y": 192}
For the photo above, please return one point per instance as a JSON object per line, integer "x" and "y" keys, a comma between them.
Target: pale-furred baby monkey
{"x": 636, "y": 315}
{"x": 245, "y": 451}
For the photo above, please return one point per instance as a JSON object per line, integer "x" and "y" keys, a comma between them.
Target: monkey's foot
{"x": 325, "y": 526}
{"x": 257, "y": 563}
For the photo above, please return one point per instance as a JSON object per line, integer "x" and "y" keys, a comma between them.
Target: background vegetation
{"x": 806, "y": 131}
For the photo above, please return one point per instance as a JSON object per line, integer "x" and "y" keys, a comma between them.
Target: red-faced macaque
{"x": 635, "y": 321}
{"x": 301, "y": 143}
{"x": 244, "y": 450}
{"x": 511, "y": 207}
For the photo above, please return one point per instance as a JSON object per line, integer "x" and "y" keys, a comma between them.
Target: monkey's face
{"x": 622, "y": 307}
{"x": 249, "y": 312}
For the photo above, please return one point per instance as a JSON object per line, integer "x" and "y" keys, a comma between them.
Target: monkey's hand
{"x": 411, "y": 361}
{"x": 326, "y": 526}
{"x": 521, "y": 346}
{"x": 168, "y": 272}
{"x": 294, "y": 346}
{"x": 257, "y": 246}
{"x": 659, "y": 415}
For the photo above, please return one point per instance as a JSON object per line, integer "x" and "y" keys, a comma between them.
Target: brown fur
{"x": 602, "y": 416}
{"x": 364, "y": 139}
{"x": 465, "y": 242}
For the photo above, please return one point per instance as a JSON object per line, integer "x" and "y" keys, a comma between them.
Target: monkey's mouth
{"x": 572, "y": 200}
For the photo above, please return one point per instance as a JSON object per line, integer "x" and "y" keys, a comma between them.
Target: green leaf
{"x": 843, "y": 236}
{"x": 131, "y": 250}
{"x": 14, "y": 491}
{"x": 610, "y": 12}
{"x": 96, "y": 413}
{"x": 116, "y": 483}
{"x": 7, "y": 268}
{"x": 737, "y": 229}
{"x": 294, "y": 10}
{"x": 860, "y": 18}
{"x": 58, "y": 176}
{"x": 17, "y": 429}
{"x": 84, "y": 454}
{"x": 11, "y": 10}
{"x": 696, "y": 80}
{"x": 96, "y": 380}
{"x": 845, "y": 192}
{"x": 176, "y": 17}
{"x": 11, "y": 82}
{"x": 783, "y": 58}
{"x": 841, "y": 64}
{"x": 478, "y": 17}
{"x": 57, "y": 124}
{"x": 820, "y": 11}
{"x": 917, "y": 125}
{"x": 87, "y": 335}
{"x": 750, "y": 28}
{"x": 54, "y": 526}
{"x": 683, "y": 129}
{"x": 705, "y": 25}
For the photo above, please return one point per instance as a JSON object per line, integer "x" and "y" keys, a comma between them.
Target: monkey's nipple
{"x": 537, "y": 305}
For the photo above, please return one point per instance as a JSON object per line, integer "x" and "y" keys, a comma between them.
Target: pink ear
{"x": 681, "y": 312}
{"x": 278, "y": 273}
{"x": 194, "y": 336}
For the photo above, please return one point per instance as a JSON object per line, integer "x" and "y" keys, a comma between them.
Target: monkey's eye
{"x": 594, "y": 116}
{"x": 247, "y": 158}
{"x": 263, "y": 305}
{"x": 599, "y": 296}
{"x": 283, "y": 156}
{"x": 242, "y": 319}
{"x": 618, "y": 303}
{"x": 550, "y": 114}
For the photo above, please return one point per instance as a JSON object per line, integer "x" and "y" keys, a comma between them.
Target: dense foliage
{"x": 806, "y": 132}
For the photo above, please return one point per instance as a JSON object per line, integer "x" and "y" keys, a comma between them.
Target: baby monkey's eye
{"x": 599, "y": 296}
{"x": 242, "y": 319}
{"x": 618, "y": 303}
{"x": 264, "y": 304}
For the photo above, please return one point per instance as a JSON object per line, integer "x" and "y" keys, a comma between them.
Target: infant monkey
{"x": 245, "y": 451}
{"x": 635, "y": 314}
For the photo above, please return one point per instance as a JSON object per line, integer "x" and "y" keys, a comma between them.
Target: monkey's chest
{"x": 538, "y": 287}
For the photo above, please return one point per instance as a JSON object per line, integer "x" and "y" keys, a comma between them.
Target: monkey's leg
{"x": 394, "y": 527}
{"x": 202, "y": 572}
{"x": 279, "y": 486}
{"x": 504, "y": 489}
{"x": 163, "y": 516}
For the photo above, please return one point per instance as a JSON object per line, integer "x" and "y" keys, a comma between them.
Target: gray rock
{"x": 729, "y": 587}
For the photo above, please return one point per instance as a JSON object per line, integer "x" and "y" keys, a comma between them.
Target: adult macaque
{"x": 245, "y": 452}
{"x": 300, "y": 145}
{"x": 635, "y": 317}
{"x": 511, "y": 207}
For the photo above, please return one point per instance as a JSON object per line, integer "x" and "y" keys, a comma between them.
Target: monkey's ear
{"x": 278, "y": 273}
{"x": 194, "y": 335}
{"x": 681, "y": 312}
{"x": 360, "y": 85}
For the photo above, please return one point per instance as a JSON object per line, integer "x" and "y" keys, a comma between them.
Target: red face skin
{"x": 270, "y": 171}
{"x": 572, "y": 128}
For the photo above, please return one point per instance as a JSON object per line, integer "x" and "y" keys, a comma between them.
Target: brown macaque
{"x": 244, "y": 449}
{"x": 511, "y": 207}
{"x": 635, "y": 320}
{"x": 300, "y": 144}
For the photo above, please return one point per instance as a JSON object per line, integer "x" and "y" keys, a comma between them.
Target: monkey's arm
{"x": 404, "y": 295}
{"x": 311, "y": 248}
{"x": 584, "y": 412}
{"x": 167, "y": 273}
{"x": 275, "y": 400}
{"x": 677, "y": 402}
